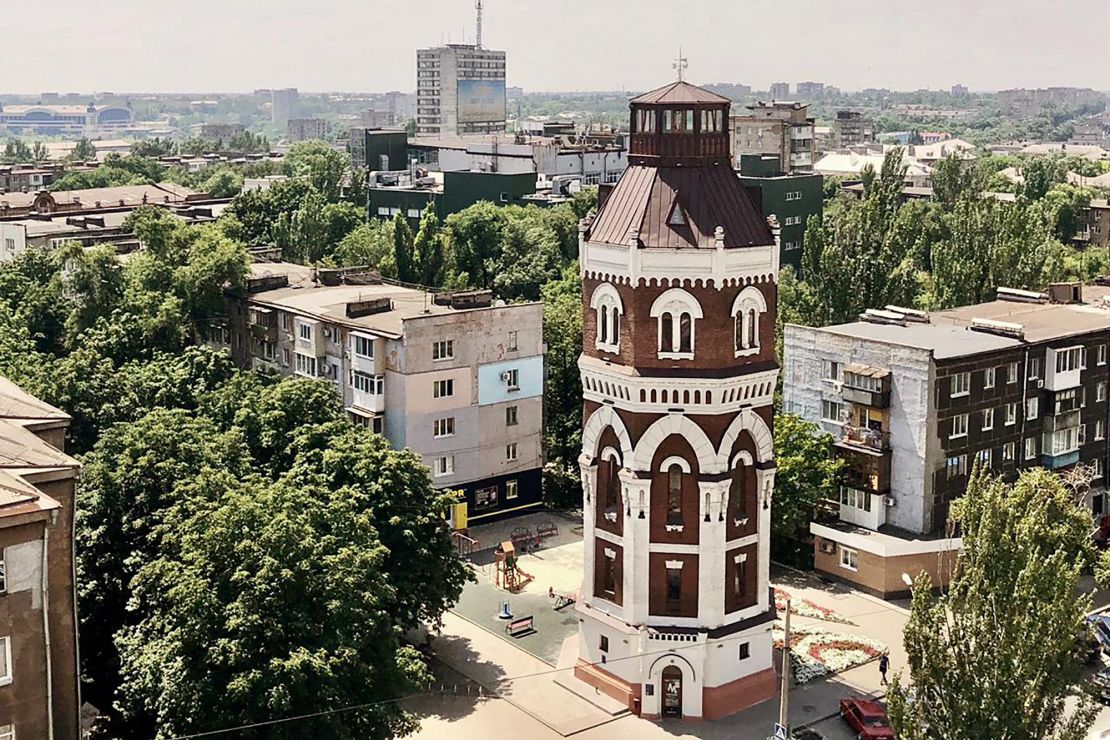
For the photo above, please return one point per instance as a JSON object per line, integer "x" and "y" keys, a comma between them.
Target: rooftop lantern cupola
{"x": 679, "y": 125}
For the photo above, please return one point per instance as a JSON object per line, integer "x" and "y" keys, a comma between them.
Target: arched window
{"x": 666, "y": 333}
{"x": 606, "y": 301}
{"x": 677, "y": 311}
{"x": 746, "y": 310}
{"x": 736, "y": 494}
{"x": 608, "y": 479}
{"x": 674, "y": 494}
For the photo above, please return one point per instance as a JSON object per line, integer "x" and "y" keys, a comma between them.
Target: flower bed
{"x": 807, "y": 608}
{"x": 816, "y": 653}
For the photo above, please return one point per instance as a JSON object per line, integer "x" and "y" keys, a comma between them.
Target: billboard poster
{"x": 481, "y": 100}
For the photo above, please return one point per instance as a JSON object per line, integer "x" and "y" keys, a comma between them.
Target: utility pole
{"x": 478, "y": 37}
{"x": 784, "y": 697}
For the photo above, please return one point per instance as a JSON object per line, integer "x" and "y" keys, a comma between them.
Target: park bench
{"x": 520, "y": 626}
{"x": 547, "y": 529}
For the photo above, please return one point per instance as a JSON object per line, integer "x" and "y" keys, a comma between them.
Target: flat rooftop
{"x": 306, "y": 296}
{"x": 949, "y": 335}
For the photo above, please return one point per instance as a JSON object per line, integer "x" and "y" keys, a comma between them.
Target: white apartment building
{"x": 460, "y": 89}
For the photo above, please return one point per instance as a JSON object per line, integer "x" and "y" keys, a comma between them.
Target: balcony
{"x": 373, "y": 402}
{"x": 1061, "y": 460}
{"x": 869, "y": 439}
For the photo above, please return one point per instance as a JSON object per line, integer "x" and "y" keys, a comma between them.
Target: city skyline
{"x": 569, "y": 47}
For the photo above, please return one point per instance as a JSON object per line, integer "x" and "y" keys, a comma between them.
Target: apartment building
{"x": 779, "y": 129}
{"x": 850, "y": 129}
{"x": 456, "y": 378}
{"x": 306, "y": 129}
{"x": 915, "y": 399}
{"x": 39, "y": 694}
{"x": 460, "y": 89}
{"x": 790, "y": 197}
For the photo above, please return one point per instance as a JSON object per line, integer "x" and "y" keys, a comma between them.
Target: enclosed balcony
{"x": 866, "y": 437}
{"x": 263, "y": 324}
{"x": 866, "y": 385}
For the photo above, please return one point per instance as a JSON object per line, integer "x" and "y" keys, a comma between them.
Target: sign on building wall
{"x": 481, "y": 100}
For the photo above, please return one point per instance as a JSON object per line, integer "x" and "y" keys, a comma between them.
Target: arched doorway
{"x": 672, "y": 692}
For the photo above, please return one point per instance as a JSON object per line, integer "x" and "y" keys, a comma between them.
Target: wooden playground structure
{"x": 508, "y": 574}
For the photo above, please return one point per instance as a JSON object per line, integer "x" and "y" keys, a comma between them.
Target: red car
{"x": 868, "y": 718}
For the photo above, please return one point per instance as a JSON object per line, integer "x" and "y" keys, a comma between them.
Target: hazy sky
{"x": 369, "y": 45}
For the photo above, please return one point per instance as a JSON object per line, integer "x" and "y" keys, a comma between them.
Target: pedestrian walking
{"x": 884, "y": 666}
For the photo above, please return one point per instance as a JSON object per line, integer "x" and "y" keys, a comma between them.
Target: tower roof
{"x": 680, "y": 207}
{"x": 679, "y": 92}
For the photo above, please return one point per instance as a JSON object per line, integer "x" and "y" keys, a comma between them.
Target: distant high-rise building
{"x": 852, "y": 128}
{"x": 959, "y": 91}
{"x": 780, "y": 90}
{"x": 283, "y": 105}
{"x": 811, "y": 90}
{"x": 780, "y": 129}
{"x": 303, "y": 129}
{"x": 460, "y": 89}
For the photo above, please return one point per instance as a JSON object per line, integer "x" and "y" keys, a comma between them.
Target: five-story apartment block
{"x": 915, "y": 400}
{"x": 455, "y": 378}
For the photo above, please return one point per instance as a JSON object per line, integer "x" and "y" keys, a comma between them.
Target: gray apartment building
{"x": 780, "y": 129}
{"x": 456, "y": 378}
{"x": 851, "y": 128}
{"x": 915, "y": 399}
{"x": 460, "y": 89}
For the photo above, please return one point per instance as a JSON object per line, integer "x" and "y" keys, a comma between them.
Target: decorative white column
{"x": 765, "y": 484}
{"x": 637, "y": 493}
{"x": 589, "y": 504}
{"x": 711, "y": 554}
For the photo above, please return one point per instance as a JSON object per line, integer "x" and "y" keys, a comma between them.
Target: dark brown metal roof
{"x": 679, "y": 93}
{"x": 645, "y": 197}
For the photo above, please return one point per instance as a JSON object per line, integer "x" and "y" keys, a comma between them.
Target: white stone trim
{"x": 718, "y": 267}
{"x": 885, "y": 545}
{"x": 609, "y": 454}
{"x": 676, "y": 301}
{"x": 665, "y": 466}
{"x": 750, "y": 295}
{"x": 596, "y": 424}
{"x": 708, "y": 464}
{"x": 674, "y": 564}
{"x": 748, "y": 420}
{"x": 606, "y": 295}
{"x": 740, "y": 558}
{"x": 742, "y": 456}
{"x": 611, "y": 554}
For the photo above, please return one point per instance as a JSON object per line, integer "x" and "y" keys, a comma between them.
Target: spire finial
{"x": 681, "y": 64}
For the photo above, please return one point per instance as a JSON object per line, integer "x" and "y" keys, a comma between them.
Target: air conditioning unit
{"x": 506, "y": 376}
{"x": 888, "y": 500}
{"x": 327, "y": 333}
{"x": 1040, "y": 384}
{"x": 828, "y": 547}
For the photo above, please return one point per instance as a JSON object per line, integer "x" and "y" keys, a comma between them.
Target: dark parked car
{"x": 1100, "y": 685}
{"x": 868, "y": 718}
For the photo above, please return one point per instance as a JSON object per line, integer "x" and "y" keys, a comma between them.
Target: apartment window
{"x": 485, "y": 498}
{"x": 855, "y": 498}
{"x": 603, "y": 644}
{"x": 1100, "y": 354}
{"x": 988, "y": 377}
{"x": 832, "y": 411}
{"x": 1100, "y": 391}
{"x": 3, "y": 578}
{"x": 849, "y": 558}
{"x": 1069, "y": 359}
{"x": 510, "y": 416}
{"x": 444, "y": 427}
{"x": 1030, "y": 448}
{"x": 1082, "y": 434}
{"x": 1098, "y": 467}
{"x": 512, "y": 490}
{"x": 956, "y": 466}
{"x": 7, "y": 732}
{"x": 306, "y": 365}
{"x": 443, "y": 349}
{"x": 988, "y": 419}
{"x": 1034, "y": 368}
{"x": 1032, "y": 408}
{"x": 984, "y": 457}
{"x": 1100, "y": 430}
{"x": 305, "y": 331}
{"x": 510, "y": 452}
{"x": 366, "y": 383}
{"x": 513, "y": 343}
{"x": 959, "y": 426}
{"x": 674, "y": 494}
{"x": 609, "y": 575}
{"x": 674, "y": 586}
{"x": 5, "y": 660}
{"x": 1012, "y": 375}
{"x": 511, "y": 378}
{"x": 832, "y": 370}
{"x": 745, "y": 650}
{"x": 364, "y": 346}
{"x": 268, "y": 350}
{"x": 961, "y": 384}
{"x": 443, "y": 388}
{"x": 286, "y": 356}
{"x": 1009, "y": 450}
{"x": 444, "y": 466}
{"x": 1011, "y": 413}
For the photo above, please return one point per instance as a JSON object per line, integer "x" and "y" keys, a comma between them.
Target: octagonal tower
{"x": 678, "y": 372}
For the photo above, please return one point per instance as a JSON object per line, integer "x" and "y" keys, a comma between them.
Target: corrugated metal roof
{"x": 16, "y": 403}
{"x": 710, "y": 196}
{"x": 20, "y": 448}
{"x": 680, "y": 92}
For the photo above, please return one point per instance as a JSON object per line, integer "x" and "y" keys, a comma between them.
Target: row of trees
{"x": 245, "y": 553}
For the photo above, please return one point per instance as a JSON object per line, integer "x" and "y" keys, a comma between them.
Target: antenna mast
{"x": 478, "y": 38}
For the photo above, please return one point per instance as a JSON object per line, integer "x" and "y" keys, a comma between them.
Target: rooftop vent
{"x": 1001, "y": 328}
{"x": 910, "y": 314}
{"x": 465, "y": 299}
{"x": 877, "y": 316}
{"x": 368, "y": 307}
{"x": 1018, "y": 295}
{"x": 266, "y": 282}
{"x": 1065, "y": 293}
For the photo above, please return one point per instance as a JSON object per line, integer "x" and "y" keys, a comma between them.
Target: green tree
{"x": 320, "y": 164}
{"x": 84, "y": 151}
{"x": 530, "y": 258}
{"x": 224, "y": 182}
{"x": 807, "y": 473}
{"x": 475, "y": 234}
{"x": 403, "y": 256}
{"x": 562, "y": 333}
{"x": 39, "y": 153}
{"x": 16, "y": 151}
{"x": 371, "y": 244}
{"x": 154, "y": 148}
{"x": 429, "y": 260}
{"x": 998, "y": 654}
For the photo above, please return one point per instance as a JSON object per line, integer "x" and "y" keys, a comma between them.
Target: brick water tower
{"x": 678, "y": 373}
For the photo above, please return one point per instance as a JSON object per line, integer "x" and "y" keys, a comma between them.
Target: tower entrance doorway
{"x": 672, "y": 692}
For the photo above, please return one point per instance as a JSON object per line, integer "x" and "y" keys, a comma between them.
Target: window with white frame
{"x": 444, "y": 427}
{"x": 444, "y": 466}
{"x": 1009, "y": 450}
{"x": 511, "y": 416}
{"x": 1061, "y": 442}
{"x": 305, "y": 331}
{"x": 1098, "y": 471}
{"x": 1012, "y": 373}
{"x": 1100, "y": 354}
{"x": 511, "y": 378}
{"x": 956, "y": 466}
{"x": 3, "y": 575}
{"x": 306, "y": 365}
{"x": 364, "y": 346}
{"x": 510, "y": 452}
{"x": 366, "y": 383}
{"x": 1069, "y": 359}
{"x": 7, "y": 732}
{"x": 988, "y": 419}
{"x": 1011, "y": 413}
{"x": 1034, "y": 368}
{"x": 855, "y": 498}
{"x": 746, "y": 310}
{"x": 606, "y": 303}
{"x": 1030, "y": 448}
{"x": 959, "y": 426}
{"x": 961, "y": 384}
{"x": 443, "y": 388}
{"x": 849, "y": 558}
{"x": 988, "y": 377}
{"x": 512, "y": 489}
{"x": 1100, "y": 429}
{"x": 5, "y": 660}
{"x": 444, "y": 349}
{"x": 832, "y": 411}
{"x": 984, "y": 457}
{"x": 1032, "y": 408}
{"x": 832, "y": 370}
{"x": 1100, "y": 391}
{"x": 675, "y": 312}
{"x": 513, "y": 343}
